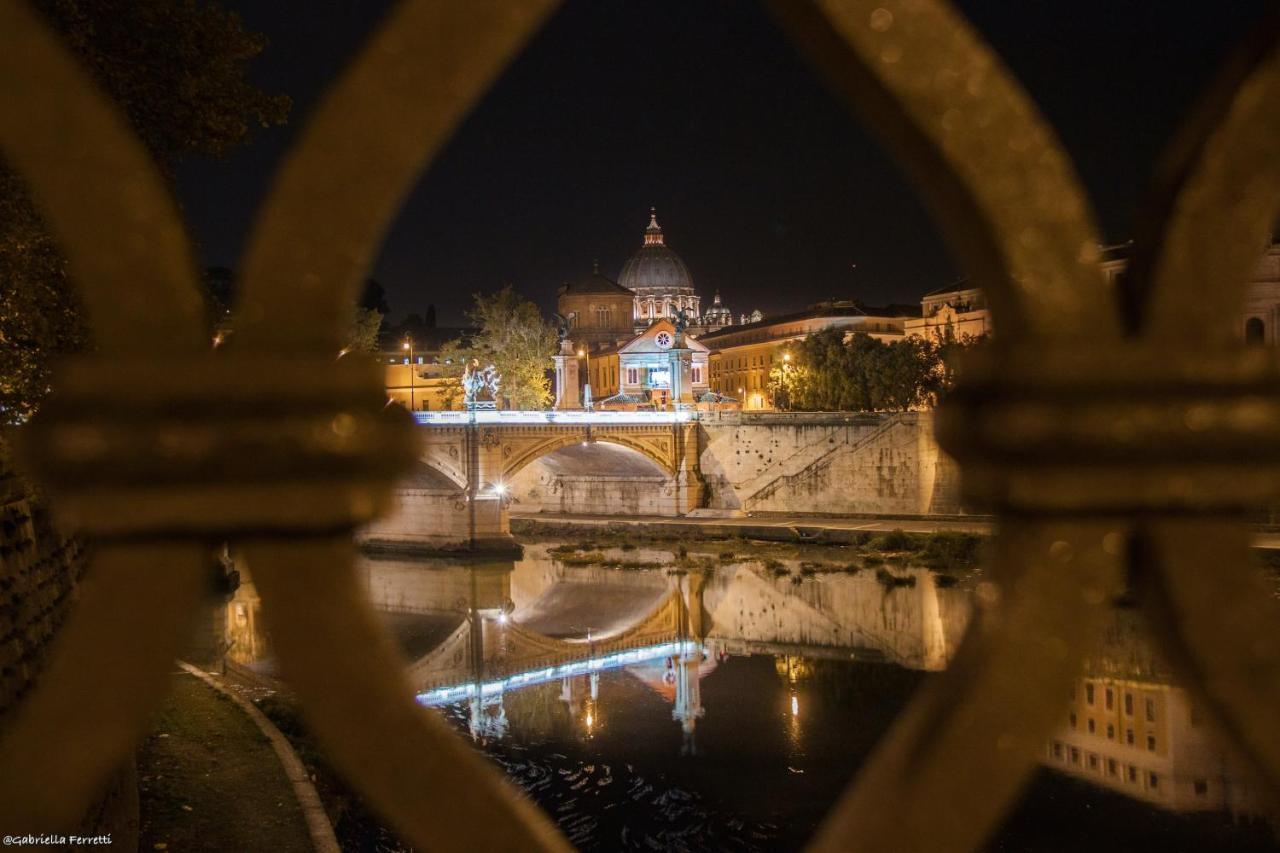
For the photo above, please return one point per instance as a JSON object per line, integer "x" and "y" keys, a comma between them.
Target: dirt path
{"x": 209, "y": 780}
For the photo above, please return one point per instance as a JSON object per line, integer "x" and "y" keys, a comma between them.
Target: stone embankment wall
{"x": 883, "y": 464}
{"x": 39, "y": 570}
{"x": 774, "y": 462}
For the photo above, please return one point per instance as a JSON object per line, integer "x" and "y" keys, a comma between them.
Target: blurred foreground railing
{"x": 1120, "y": 437}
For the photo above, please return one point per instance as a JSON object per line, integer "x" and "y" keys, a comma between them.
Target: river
{"x": 720, "y": 696}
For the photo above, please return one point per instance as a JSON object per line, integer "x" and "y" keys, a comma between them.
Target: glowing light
{"x": 405, "y": 346}
{"x": 786, "y": 356}
{"x": 581, "y": 353}
{"x": 499, "y": 489}
{"x": 456, "y": 692}
{"x": 502, "y": 618}
{"x": 795, "y": 706}
{"x": 590, "y": 720}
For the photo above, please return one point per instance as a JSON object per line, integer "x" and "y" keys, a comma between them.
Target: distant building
{"x": 742, "y": 356}
{"x": 651, "y": 370}
{"x": 662, "y": 286}
{"x": 414, "y": 373}
{"x": 1258, "y": 323}
{"x": 961, "y": 309}
{"x": 659, "y": 280}
{"x": 599, "y": 311}
{"x": 955, "y": 312}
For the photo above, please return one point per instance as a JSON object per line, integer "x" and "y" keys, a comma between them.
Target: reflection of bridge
{"x": 477, "y": 630}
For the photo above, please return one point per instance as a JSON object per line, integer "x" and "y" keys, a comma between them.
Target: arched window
{"x": 1255, "y": 332}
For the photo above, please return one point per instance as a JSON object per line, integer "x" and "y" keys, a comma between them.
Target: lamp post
{"x": 408, "y": 347}
{"x": 587, "y": 396}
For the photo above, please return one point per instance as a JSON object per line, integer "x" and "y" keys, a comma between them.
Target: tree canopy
{"x": 512, "y": 336}
{"x": 177, "y": 70}
{"x": 833, "y": 371}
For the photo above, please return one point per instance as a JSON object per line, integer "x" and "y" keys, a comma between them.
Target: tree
{"x": 832, "y": 370}
{"x": 177, "y": 70}
{"x": 512, "y": 336}
{"x": 364, "y": 332}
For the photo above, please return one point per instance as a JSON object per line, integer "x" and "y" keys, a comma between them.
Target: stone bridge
{"x": 475, "y": 467}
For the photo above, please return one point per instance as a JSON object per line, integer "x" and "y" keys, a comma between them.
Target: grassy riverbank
{"x": 949, "y": 554}
{"x": 208, "y": 779}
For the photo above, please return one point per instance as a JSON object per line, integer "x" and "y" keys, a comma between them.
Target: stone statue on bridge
{"x": 480, "y": 387}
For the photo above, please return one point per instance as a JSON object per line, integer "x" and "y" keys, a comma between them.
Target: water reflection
{"x": 594, "y": 687}
{"x": 1131, "y": 729}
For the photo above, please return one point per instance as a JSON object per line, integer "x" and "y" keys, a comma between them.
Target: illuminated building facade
{"x": 598, "y": 310}
{"x": 956, "y": 312}
{"x": 742, "y": 356}
{"x": 656, "y": 369}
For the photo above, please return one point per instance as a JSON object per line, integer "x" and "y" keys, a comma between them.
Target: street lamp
{"x": 408, "y": 347}
{"x": 587, "y": 396}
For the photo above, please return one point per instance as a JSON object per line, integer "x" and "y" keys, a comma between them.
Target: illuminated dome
{"x": 659, "y": 278}
{"x": 718, "y": 314}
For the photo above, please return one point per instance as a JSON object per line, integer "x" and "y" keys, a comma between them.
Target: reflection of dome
{"x": 655, "y": 270}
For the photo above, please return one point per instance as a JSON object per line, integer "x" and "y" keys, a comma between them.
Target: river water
{"x": 720, "y": 696}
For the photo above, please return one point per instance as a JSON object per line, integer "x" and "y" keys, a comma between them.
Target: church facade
{"x": 624, "y": 336}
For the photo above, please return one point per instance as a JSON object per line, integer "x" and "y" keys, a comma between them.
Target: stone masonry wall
{"x": 829, "y": 464}
{"x": 38, "y": 573}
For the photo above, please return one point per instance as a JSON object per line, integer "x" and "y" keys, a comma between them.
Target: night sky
{"x": 764, "y": 183}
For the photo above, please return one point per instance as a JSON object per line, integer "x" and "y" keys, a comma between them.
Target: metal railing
{"x": 1120, "y": 441}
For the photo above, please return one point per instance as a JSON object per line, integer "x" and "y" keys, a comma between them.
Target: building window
{"x": 1255, "y": 332}
{"x": 1201, "y": 787}
{"x": 1111, "y": 767}
{"x": 1057, "y": 749}
{"x": 1151, "y": 710}
{"x": 1075, "y": 755}
{"x": 1111, "y": 732}
{"x": 1128, "y": 704}
{"x": 1110, "y": 699}
{"x": 1073, "y": 719}
{"x": 1133, "y": 773}
{"x": 1088, "y": 693}
{"x": 1093, "y": 761}
{"x": 1128, "y": 736}
{"x": 1153, "y": 781}
{"x": 1151, "y": 743}
{"x": 1092, "y": 727}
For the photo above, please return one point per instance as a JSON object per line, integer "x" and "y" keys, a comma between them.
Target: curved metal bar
{"x": 999, "y": 182}
{"x": 395, "y": 106}
{"x": 362, "y": 709}
{"x": 100, "y": 192}
{"x": 1215, "y": 202}
{"x": 1218, "y": 620}
{"x": 991, "y": 709}
{"x": 109, "y": 671}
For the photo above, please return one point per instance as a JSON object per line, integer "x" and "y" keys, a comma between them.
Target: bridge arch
{"x": 661, "y": 457}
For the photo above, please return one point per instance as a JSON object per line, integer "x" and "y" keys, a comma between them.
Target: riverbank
{"x": 208, "y": 779}
{"x": 818, "y": 530}
{"x": 813, "y": 529}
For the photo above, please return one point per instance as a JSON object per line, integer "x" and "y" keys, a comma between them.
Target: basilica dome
{"x": 658, "y": 277}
